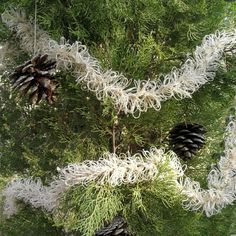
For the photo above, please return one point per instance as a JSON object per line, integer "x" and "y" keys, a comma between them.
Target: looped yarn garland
{"x": 126, "y": 169}
{"x": 179, "y": 83}
{"x": 221, "y": 181}
{"x": 110, "y": 169}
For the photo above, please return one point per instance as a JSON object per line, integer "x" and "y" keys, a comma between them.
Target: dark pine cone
{"x": 117, "y": 227}
{"x": 35, "y": 78}
{"x": 186, "y": 139}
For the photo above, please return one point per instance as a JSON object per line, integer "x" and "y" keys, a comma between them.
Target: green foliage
{"x": 49, "y": 136}
{"x": 86, "y": 208}
{"x": 146, "y": 203}
{"x": 30, "y": 222}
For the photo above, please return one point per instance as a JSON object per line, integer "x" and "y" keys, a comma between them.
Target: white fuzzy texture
{"x": 221, "y": 181}
{"x": 33, "y": 192}
{"x": 16, "y": 20}
{"x": 129, "y": 96}
{"x": 3, "y": 49}
{"x": 110, "y": 169}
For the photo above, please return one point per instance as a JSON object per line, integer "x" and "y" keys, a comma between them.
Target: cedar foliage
{"x": 143, "y": 39}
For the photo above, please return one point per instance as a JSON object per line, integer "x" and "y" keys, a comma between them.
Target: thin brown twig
{"x": 114, "y": 126}
{"x": 114, "y": 131}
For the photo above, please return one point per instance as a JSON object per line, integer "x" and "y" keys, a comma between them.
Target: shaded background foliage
{"x": 143, "y": 39}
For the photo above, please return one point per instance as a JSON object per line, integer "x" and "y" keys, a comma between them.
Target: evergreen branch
{"x": 111, "y": 169}
{"x": 179, "y": 83}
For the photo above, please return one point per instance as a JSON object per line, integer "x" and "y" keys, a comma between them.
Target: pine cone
{"x": 187, "y": 139}
{"x": 34, "y": 78}
{"x": 117, "y": 227}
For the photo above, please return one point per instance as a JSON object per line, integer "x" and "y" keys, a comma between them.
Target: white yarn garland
{"x": 221, "y": 181}
{"x": 125, "y": 169}
{"x": 110, "y": 169}
{"x": 179, "y": 83}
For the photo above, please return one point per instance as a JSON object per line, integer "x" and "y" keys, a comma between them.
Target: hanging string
{"x": 35, "y": 26}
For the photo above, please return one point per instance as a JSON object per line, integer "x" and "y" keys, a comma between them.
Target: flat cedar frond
{"x": 86, "y": 209}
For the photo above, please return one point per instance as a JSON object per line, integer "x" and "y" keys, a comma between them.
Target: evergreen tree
{"x": 143, "y": 39}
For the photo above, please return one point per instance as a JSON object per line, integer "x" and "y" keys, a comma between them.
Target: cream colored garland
{"x": 125, "y": 169}
{"x": 110, "y": 169}
{"x": 179, "y": 83}
{"x": 221, "y": 181}
{"x": 114, "y": 170}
